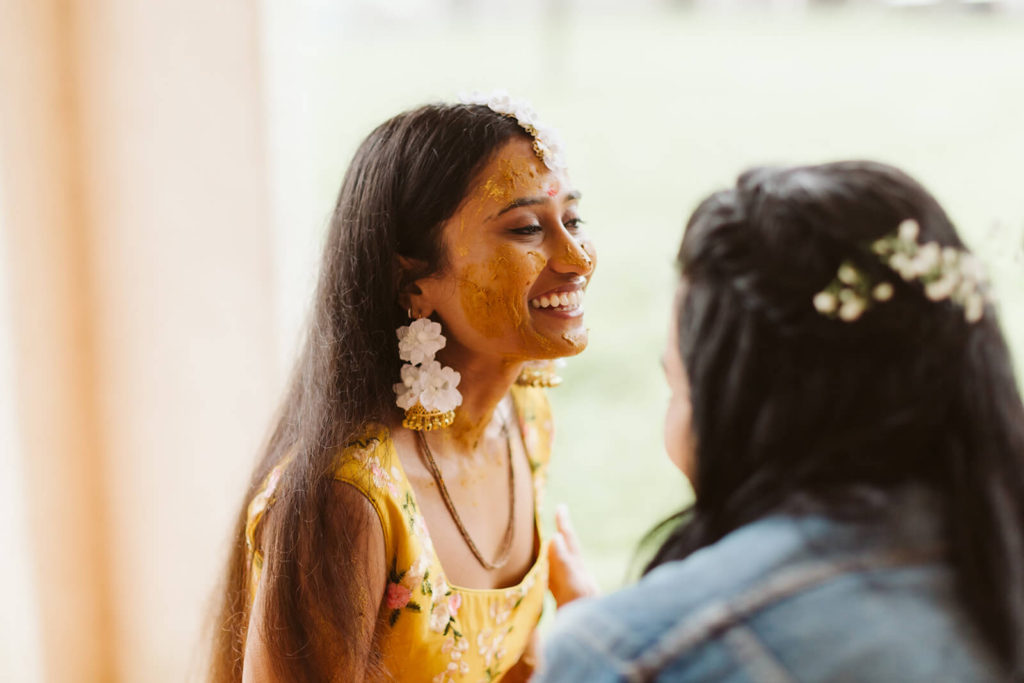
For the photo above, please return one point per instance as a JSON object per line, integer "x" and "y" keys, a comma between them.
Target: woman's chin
{"x": 576, "y": 341}
{"x": 568, "y": 343}
{"x": 550, "y": 342}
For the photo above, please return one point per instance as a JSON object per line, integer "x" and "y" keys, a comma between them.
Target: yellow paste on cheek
{"x": 493, "y": 295}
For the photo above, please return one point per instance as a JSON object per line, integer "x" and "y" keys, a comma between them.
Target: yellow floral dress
{"x": 436, "y": 631}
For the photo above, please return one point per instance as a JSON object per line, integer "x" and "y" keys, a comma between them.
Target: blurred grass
{"x": 661, "y": 108}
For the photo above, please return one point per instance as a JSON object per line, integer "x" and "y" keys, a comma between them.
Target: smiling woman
{"x": 373, "y": 549}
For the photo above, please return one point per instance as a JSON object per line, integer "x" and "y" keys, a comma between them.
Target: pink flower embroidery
{"x": 440, "y": 617}
{"x": 454, "y": 603}
{"x": 397, "y": 596}
{"x": 413, "y": 578}
{"x": 380, "y": 477}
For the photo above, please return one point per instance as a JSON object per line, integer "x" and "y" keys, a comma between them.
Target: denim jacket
{"x": 786, "y": 598}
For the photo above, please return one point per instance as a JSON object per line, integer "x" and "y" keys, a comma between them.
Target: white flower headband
{"x": 546, "y": 142}
{"x": 945, "y": 272}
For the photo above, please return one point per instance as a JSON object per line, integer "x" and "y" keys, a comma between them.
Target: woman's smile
{"x": 561, "y": 302}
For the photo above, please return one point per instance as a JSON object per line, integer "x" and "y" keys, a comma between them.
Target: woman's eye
{"x": 573, "y": 223}
{"x": 526, "y": 230}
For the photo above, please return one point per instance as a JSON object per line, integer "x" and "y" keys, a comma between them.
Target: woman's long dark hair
{"x": 791, "y": 408}
{"x": 407, "y": 178}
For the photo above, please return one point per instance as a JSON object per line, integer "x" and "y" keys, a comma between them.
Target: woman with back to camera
{"x": 401, "y": 541}
{"x": 845, "y": 406}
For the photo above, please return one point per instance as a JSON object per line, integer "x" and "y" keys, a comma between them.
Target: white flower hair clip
{"x": 428, "y": 392}
{"x": 946, "y": 273}
{"x": 546, "y": 141}
{"x": 850, "y": 294}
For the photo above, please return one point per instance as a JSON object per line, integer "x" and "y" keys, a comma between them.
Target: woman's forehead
{"x": 514, "y": 171}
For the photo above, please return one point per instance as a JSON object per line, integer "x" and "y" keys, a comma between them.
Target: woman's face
{"x": 679, "y": 442}
{"x": 518, "y": 263}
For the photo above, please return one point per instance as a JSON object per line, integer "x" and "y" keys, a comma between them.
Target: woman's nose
{"x": 573, "y": 256}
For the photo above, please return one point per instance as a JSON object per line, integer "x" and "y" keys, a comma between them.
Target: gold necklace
{"x": 505, "y": 551}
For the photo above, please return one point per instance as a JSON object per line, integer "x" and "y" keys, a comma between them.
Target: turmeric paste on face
{"x": 491, "y": 285}
{"x": 493, "y": 293}
{"x": 493, "y": 297}
{"x": 504, "y": 186}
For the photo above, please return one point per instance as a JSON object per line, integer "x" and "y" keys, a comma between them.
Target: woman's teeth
{"x": 567, "y": 300}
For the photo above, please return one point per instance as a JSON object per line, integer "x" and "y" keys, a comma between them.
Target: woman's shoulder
{"x": 368, "y": 464}
{"x": 618, "y": 630}
{"x": 368, "y": 460}
{"x": 796, "y": 588}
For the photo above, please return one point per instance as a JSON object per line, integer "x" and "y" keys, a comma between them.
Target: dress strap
{"x": 367, "y": 464}
{"x": 534, "y": 413}
{"x": 254, "y": 514}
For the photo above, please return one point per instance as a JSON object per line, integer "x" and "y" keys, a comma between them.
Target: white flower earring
{"x": 428, "y": 391}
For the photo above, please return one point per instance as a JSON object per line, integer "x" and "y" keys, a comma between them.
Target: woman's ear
{"x": 408, "y": 273}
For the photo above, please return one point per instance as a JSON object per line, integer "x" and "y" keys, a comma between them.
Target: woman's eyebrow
{"x": 522, "y": 201}
{"x": 531, "y": 201}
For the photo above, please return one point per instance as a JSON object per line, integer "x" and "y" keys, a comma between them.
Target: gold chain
{"x": 505, "y": 551}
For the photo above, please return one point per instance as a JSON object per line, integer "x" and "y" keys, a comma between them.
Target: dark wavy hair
{"x": 792, "y": 408}
{"x": 406, "y": 179}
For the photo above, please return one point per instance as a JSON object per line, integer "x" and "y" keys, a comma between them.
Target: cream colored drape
{"x": 138, "y": 268}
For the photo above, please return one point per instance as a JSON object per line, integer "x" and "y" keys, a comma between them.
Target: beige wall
{"x": 139, "y": 265}
{"x": 20, "y": 656}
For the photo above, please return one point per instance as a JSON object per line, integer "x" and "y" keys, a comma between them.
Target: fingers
{"x": 569, "y": 578}
{"x": 563, "y": 579}
{"x": 559, "y": 548}
{"x": 556, "y": 559}
{"x": 562, "y": 558}
{"x": 559, "y": 570}
{"x": 564, "y": 524}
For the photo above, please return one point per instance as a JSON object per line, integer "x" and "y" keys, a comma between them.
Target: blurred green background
{"x": 660, "y": 104}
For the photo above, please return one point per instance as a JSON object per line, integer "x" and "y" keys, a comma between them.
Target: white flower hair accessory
{"x": 546, "y": 141}
{"x": 947, "y": 273}
{"x": 850, "y": 294}
{"x": 428, "y": 391}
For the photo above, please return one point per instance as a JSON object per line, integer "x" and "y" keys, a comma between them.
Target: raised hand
{"x": 568, "y": 578}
